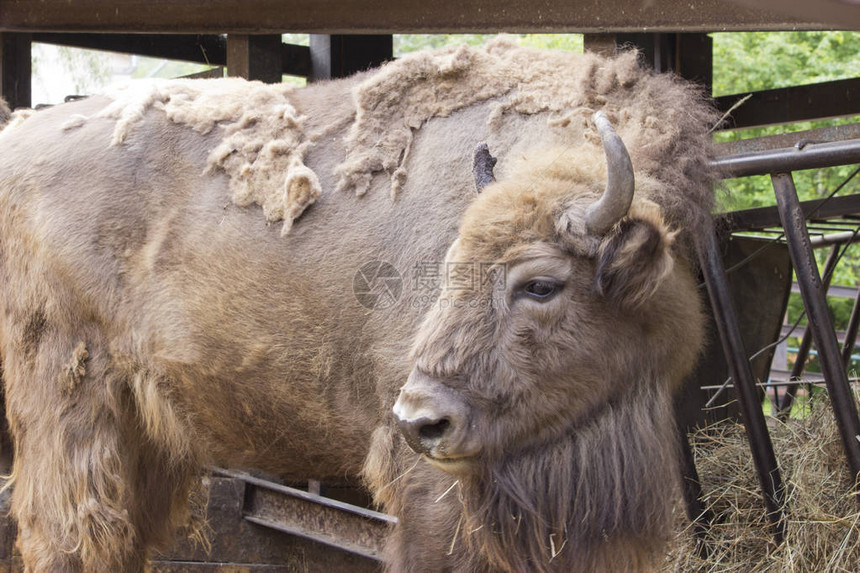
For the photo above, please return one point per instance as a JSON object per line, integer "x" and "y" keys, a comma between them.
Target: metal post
{"x": 16, "y": 69}
{"x": 697, "y": 512}
{"x": 255, "y": 57}
{"x": 805, "y": 344}
{"x": 341, "y": 55}
{"x": 819, "y": 319}
{"x": 769, "y": 476}
{"x": 851, "y": 332}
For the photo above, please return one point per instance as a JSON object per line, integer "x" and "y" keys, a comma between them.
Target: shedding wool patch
{"x": 263, "y": 145}
{"x": 395, "y": 102}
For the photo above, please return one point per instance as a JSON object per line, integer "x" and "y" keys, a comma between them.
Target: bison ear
{"x": 634, "y": 257}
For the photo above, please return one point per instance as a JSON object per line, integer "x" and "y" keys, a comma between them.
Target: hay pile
{"x": 823, "y": 528}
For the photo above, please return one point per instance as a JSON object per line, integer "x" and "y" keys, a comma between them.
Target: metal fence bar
{"x": 330, "y": 522}
{"x": 699, "y": 514}
{"x": 851, "y": 332}
{"x": 812, "y": 291}
{"x": 809, "y": 156}
{"x": 784, "y": 405}
{"x": 769, "y": 476}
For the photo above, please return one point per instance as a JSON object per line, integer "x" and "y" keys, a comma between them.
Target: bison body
{"x": 190, "y": 274}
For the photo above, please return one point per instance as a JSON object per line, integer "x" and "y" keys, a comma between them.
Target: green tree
{"x": 405, "y": 43}
{"x": 746, "y": 62}
{"x": 754, "y": 61}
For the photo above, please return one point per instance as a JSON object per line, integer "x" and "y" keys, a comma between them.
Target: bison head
{"x": 546, "y": 394}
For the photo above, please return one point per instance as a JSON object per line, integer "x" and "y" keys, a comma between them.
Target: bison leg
{"x": 86, "y": 495}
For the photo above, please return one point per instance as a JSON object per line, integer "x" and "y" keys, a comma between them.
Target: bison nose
{"x": 424, "y": 434}
{"x": 434, "y": 419}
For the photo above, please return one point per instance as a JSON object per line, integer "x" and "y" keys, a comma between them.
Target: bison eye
{"x": 541, "y": 289}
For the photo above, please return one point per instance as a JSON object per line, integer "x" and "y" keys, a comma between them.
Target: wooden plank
{"x": 339, "y": 56}
{"x": 694, "y": 59}
{"x": 764, "y": 217}
{"x": 195, "y": 567}
{"x": 15, "y": 69}
{"x": 255, "y": 57}
{"x": 388, "y": 16}
{"x": 795, "y": 139}
{"x": 199, "y": 48}
{"x": 842, "y": 13}
{"x": 603, "y": 44}
{"x": 235, "y": 540}
{"x": 796, "y": 103}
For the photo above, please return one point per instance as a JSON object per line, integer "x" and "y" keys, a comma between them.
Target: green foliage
{"x": 405, "y": 43}
{"x": 296, "y": 39}
{"x": 91, "y": 67}
{"x": 159, "y": 68}
{"x": 88, "y": 70}
{"x": 745, "y": 62}
{"x": 753, "y": 61}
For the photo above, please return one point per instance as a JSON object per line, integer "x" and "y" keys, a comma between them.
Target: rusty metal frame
{"x": 792, "y": 216}
{"x": 808, "y": 155}
{"x": 784, "y": 405}
{"x": 813, "y": 292}
{"x": 328, "y": 521}
{"x": 770, "y": 479}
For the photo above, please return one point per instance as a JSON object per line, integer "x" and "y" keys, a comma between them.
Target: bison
{"x": 309, "y": 283}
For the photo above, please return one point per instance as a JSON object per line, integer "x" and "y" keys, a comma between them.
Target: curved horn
{"x": 482, "y": 167}
{"x": 616, "y": 199}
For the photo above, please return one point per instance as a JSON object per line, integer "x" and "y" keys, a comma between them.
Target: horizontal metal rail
{"x": 812, "y": 155}
{"x": 766, "y": 217}
{"x": 785, "y": 380}
{"x": 783, "y": 140}
{"x": 331, "y": 522}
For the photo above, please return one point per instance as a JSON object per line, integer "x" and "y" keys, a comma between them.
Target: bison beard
{"x": 595, "y": 499}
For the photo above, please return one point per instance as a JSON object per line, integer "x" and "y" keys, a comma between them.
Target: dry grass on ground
{"x": 823, "y": 522}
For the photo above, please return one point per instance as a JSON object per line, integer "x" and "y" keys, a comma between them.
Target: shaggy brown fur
{"x": 262, "y": 138}
{"x": 153, "y": 322}
{"x": 577, "y": 462}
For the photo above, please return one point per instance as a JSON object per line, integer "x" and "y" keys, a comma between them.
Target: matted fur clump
{"x": 651, "y": 112}
{"x": 823, "y": 528}
{"x": 264, "y": 142}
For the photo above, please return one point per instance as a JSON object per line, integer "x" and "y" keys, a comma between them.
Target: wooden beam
{"x": 15, "y": 69}
{"x": 658, "y": 50}
{"x": 388, "y": 16}
{"x": 792, "y": 104}
{"x": 198, "y": 48}
{"x": 688, "y": 55}
{"x": 794, "y": 139}
{"x": 603, "y": 44}
{"x": 255, "y": 57}
{"x": 694, "y": 59}
{"x": 339, "y": 56}
{"x": 296, "y": 60}
{"x": 208, "y": 49}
